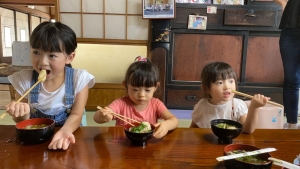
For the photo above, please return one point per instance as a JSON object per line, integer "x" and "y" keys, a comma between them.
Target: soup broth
{"x": 226, "y": 126}
{"x": 37, "y": 126}
{"x": 255, "y": 159}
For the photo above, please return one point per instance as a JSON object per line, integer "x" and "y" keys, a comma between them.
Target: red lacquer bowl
{"x": 36, "y": 135}
{"x": 238, "y": 164}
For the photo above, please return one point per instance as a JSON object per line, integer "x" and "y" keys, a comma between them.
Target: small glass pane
{"x": 134, "y": 7}
{"x": 7, "y": 37}
{"x": 92, "y": 26}
{"x": 23, "y": 35}
{"x": 35, "y": 21}
{"x": 137, "y": 28}
{"x": 73, "y": 21}
{"x": 115, "y": 27}
{"x": 70, "y": 5}
{"x": 7, "y": 20}
{"x": 118, "y": 7}
{"x": 92, "y": 6}
{"x": 22, "y": 24}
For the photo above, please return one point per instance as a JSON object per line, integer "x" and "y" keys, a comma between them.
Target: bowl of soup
{"x": 226, "y": 130}
{"x": 140, "y": 133}
{"x": 259, "y": 161}
{"x": 36, "y": 130}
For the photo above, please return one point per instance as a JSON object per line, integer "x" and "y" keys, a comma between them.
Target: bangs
{"x": 46, "y": 42}
{"x": 225, "y": 74}
{"x": 142, "y": 79}
{"x": 142, "y": 74}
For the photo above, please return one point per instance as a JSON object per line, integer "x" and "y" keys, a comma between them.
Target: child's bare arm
{"x": 193, "y": 125}
{"x": 170, "y": 122}
{"x": 249, "y": 121}
{"x": 64, "y": 136}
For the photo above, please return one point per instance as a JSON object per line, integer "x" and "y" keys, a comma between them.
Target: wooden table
{"x": 108, "y": 147}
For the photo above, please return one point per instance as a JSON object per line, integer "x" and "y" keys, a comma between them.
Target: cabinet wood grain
{"x": 193, "y": 51}
{"x": 264, "y": 62}
{"x": 102, "y": 94}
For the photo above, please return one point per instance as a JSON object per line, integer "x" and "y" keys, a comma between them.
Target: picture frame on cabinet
{"x": 159, "y": 9}
{"x": 197, "y": 22}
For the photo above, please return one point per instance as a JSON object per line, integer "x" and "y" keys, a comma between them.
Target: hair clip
{"x": 140, "y": 59}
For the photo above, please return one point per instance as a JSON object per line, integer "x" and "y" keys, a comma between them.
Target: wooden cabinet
{"x": 250, "y": 17}
{"x": 245, "y": 36}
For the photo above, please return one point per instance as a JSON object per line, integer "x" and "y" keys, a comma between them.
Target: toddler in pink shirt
{"x": 141, "y": 81}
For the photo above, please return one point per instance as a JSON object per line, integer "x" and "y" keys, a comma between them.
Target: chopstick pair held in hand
{"x": 121, "y": 117}
{"x": 41, "y": 78}
{"x": 250, "y": 97}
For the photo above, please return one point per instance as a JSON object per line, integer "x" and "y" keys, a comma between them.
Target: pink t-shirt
{"x": 125, "y": 107}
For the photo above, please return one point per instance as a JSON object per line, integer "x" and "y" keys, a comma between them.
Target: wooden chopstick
{"x": 39, "y": 80}
{"x": 3, "y": 115}
{"x": 250, "y": 97}
{"x": 116, "y": 114}
{"x": 250, "y": 153}
{"x": 124, "y": 120}
{"x": 120, "y": 117}
{"x": 283, "y": 163}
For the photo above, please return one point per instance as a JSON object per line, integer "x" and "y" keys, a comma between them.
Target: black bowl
{"x": 37, "y": 135}
{"x": 139, "y": 139}
{"x": 226, "y": 135}
{"x": 238, "y": 164}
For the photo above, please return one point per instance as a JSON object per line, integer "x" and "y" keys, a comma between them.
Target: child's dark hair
{"x": 215, "y": 71}
{"x": 53, "y": 37}
{"x": 142, "y": 73}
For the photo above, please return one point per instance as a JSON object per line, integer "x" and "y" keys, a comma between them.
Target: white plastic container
{"x": 269, "y": 116}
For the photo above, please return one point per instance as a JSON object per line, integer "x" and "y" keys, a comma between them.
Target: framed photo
{"x": 197, "y": 22}
{"x": 158, "y": 9}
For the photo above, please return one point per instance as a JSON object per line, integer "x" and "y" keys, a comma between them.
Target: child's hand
{"x": 17, "y": 109}
{"x": 105, "y": 114}
{"x": 161, "y": 131}
{"x": 62, "y": 140}
{"x": 259, "y": 100}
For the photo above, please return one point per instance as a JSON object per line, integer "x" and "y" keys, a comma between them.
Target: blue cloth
{"x": 290, "y": 53}
{"x": 61, "y": 116}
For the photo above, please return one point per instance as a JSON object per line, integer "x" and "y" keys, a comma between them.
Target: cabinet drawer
{"x": 182, "y": 14}
{"x": 183, "y": 99}
{"x": 251, "y": 17}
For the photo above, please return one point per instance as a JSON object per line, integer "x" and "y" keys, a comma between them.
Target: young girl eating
{"x": 141, "y": 81}
{"x": 63, "y": 94}
{"x": 218, "y": 81}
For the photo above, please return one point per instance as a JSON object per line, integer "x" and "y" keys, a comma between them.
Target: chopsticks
{"x": 41, "y": 78}
{"x": 283, "y": 163}
{"x": 261, "y": 151}
{"x": 121, "y": 117}
{"x": 3, "y": 115}
{"x": 250, "y": 97}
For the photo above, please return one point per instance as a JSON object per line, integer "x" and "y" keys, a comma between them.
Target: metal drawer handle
{"x": 190, "y": 98}
{"x": 250, "y": 13}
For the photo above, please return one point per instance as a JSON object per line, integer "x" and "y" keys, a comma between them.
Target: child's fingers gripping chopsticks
{"x": 105, "y": 114}
{"x": 116, "y": 115}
